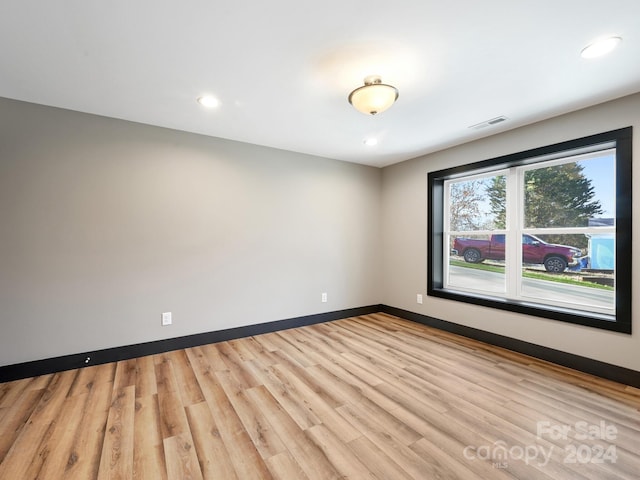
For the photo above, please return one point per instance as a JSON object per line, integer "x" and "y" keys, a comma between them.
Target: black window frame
{"x": 621, "y": 321}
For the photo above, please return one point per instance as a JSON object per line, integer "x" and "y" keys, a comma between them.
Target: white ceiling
{"x": 282, "y": 69}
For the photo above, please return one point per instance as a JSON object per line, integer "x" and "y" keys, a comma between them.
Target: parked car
{"x": 555, "y": 258}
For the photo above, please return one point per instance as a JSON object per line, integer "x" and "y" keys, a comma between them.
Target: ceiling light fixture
{"x": 371, "y": 141}
{"x": 374, "y": 97}
{"x": 208, "y": 101}
{"x": 600, "y": 47}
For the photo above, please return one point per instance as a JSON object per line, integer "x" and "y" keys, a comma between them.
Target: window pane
{"x": 477, "y": 263}
{"x": 477, "y": 204}
{"x": 571, "y": 194}
{"x": 574, "y": 269}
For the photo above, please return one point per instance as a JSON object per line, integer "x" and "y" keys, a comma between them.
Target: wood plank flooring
{"x": 371, "y": 397}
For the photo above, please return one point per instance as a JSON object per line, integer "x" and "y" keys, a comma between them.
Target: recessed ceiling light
{"x": 208, "y": 101}
{"x": 371, "y": 141}
{"x": 600, "y": 47}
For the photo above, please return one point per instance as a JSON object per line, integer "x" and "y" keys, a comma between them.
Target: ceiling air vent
{"x": 488, "y": 123}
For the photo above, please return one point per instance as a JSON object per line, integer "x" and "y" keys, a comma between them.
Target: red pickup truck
{"x": 555, "y": 258}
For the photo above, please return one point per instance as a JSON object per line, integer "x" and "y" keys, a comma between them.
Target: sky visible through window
{"x": 599, "y": 170}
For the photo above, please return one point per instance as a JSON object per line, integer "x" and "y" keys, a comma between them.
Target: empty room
{"x": 348, "y": 240}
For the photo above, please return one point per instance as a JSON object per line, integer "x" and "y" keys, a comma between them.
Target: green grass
{"x": 478, "y": 266}
{"x": 549, "y": 277}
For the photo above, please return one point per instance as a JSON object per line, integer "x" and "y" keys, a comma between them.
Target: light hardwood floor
{"x": 372, "y": 397}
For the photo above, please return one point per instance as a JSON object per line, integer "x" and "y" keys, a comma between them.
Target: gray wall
{"x": 105, "y": 224}
{"x": 404, "y": 226}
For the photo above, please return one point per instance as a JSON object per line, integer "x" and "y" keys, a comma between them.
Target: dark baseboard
{"x": 576, "y": 362}
{"x": 69, "y": 362}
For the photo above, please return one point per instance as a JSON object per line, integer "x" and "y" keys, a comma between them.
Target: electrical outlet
{"x": 166, "y": 319}
{"x": 419, "y": 298}
{"x": 324, "y": 297}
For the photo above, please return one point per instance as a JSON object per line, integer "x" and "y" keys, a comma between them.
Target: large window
{"x": 545, "y": 232}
